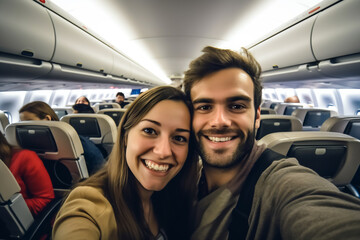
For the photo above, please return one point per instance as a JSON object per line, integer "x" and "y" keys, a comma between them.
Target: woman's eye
{"x": 180, "y": 139}
{"x": 149, "y": 131}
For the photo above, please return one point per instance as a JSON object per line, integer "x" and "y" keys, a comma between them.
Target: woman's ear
{"x": 47, "y": 118}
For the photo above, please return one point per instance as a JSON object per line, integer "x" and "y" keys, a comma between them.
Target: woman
{"x": 141, "y": 192}
{"x": 82, "y": 100}
{"x": 39, "y": 110}
{"x": 31, "y": 175}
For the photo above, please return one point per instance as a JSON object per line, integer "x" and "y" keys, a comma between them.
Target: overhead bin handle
{"x": 27, "y": 53}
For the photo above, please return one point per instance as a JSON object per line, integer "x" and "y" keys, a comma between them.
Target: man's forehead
{"x": 228, "y": 83}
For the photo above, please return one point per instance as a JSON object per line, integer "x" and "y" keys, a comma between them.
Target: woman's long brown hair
{"x": 173, "y": 204}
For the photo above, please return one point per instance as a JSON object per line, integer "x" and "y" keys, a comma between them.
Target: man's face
{"x": 225, "y": 118}
{"x": 119, "y": 99}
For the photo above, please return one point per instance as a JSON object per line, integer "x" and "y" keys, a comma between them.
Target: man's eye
{"x": 237, "y": 106}
{"x": 203, "y": 107}
{"x": 149, "y": 131}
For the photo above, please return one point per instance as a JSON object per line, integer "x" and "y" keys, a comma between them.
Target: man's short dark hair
{"x": 120, "y": 94}
{"x": 216, "y": 59}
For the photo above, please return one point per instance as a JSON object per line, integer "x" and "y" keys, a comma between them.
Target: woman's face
{"x": 157, "y": 146}
{"x": 82, "y": 100}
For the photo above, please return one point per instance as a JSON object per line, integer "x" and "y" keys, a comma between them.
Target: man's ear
{"x": 257, "y": 118}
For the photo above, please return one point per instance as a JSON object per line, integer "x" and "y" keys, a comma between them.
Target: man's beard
{"x": 241, "y": 151}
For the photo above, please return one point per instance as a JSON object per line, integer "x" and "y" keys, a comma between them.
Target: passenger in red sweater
{"x": 31, "y": 175}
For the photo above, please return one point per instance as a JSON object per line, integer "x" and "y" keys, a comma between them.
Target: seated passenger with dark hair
{"x": 120, "y": 99}
{"x": 82, "y": 108}
{"x": 42, "y": 111}
{"x": 30, "y": 173}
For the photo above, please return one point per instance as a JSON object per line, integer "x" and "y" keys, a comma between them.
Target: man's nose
{"x": 220, "y": 118}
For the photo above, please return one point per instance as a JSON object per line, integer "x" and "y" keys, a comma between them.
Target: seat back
{"x": 4, "y": 121}
{"x": 15, "y": 216}
{"x": 62, "y": 111}
{"x": 313, "y": 118}
{"x": 344, "y": 124}
{"x": 115, "y": 113}
{"x": 57, "y": 144}
{"x": 267, "y": 111}
{"x": 277, "y": 123}
{"x": 332, "y": 155}
{"x": 287, "y": 108}
{"x": 99, "y": 106}
{"x": 349, "y": 125}
{"x": 99, "y": 128}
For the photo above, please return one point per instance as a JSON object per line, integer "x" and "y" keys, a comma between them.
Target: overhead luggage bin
{"x": 287, "y": 48}
{"x": 30, "y": 33}
{"x": 336, "y": 31}
{"x": 75, "y": 47}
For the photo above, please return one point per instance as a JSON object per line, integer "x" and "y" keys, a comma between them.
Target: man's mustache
{"x": 218, "y": 131}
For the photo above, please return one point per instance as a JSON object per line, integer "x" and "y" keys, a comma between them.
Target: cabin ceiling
{"x": 174, "y": 32}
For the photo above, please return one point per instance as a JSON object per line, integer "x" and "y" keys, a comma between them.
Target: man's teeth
{"x": 220, "y": 139}
{"x": 156, "y": 167}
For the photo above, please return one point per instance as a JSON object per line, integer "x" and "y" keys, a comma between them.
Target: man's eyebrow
{"x": 239, "y": 98}
{"x": 230, "y": 99}
{"x": 203, "y": 100}
{"x": 159, "y": 124}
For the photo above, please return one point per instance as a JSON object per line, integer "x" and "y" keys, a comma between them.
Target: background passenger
{"x": 120, "y": 99}
{"x": 292, "y": 99}
{"x": 82, "y": 100}
{"x": 146, "y": 189}
{"x": 31, "y": 175}
{"x": 39, "y": 110}
{"x": 82, "y": 108}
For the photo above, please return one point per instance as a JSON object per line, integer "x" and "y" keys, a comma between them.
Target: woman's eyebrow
{"x": 159, "y": 124}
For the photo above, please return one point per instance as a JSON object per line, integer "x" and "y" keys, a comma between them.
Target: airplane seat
{"x": 114, "y": 113}
{"x": 349, "y": 125}
{"x": 287, "y": 108}
{"x": 277, "y": 123}
{"x": 99, "y": 106}
{"x": 345, "y": 124}
{"x": 4, "y": 121}
{"x": 313, "y": 118}
{"x": 273, "y": 105}
{"x": 57, "y": 144}
{"x": 99, "y": 128}
{"x": 267, "y": 111}
{"x": 15, "y": 216}
{"x": 62, "y": 111}
{"x": 334, "y": 156}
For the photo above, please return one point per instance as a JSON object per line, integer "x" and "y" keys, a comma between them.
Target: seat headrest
{"x": 8, "y": 183}
{"x": 52, "y": 140}
{"x": 337, "y": 153}
{"x": 100, "y": 128}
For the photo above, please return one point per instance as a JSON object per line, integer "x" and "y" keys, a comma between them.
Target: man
{"x": 120, "y": 99}
{"x": 289, "y": 201}
{"x": 292, "y": 99}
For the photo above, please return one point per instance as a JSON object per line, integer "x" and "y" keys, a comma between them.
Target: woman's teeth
{"x": 156, "y": 167}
